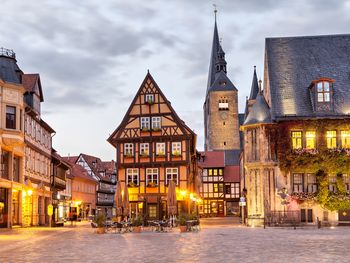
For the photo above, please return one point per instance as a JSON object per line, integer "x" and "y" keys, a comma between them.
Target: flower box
{"x": 145, "y": 129}
{"x": 128, "y": 155}
{"x": 152, "y": 184}
{"x": 156, "y": 129}
{"x": 160, "y": 154}
{"x": 149, "y": 102}
{"x": 144, "y": 155}
{"x": 132, "y": 185}
{"x": 176, "y": 154}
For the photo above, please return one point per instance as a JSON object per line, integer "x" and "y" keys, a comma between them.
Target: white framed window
{"x": 323, "y": 91}
{"x": 152, "y": 176}
{"x": 144, "y": 148}
{"x": 132, "y": 175}
{"x": 129, "y": 149}
{"x": 223, "y": 104}
{"x": 145, "y": 123}
{"x": 149, "y": 98}
{"x": 176, "y": 148}
{"x": 172, "y": 174}
{"x": 160, "y": 148}
{"x": 156, "y": 123}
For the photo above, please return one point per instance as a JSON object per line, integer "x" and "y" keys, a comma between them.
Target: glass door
{"x": 15, "y": 207}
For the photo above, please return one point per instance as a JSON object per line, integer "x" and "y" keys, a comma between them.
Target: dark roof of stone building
{"x": 294, "y": 62}
{"x": 255, "y": 86}
{"x": 213, "y": 75}
{"x": 222, "y": 83}
{"x": 260, "y": 111}
{"x": 9, "y": 70}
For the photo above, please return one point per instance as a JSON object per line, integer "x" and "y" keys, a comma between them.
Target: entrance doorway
{"x": 3, "y": 207}
{"x": 15, "y": 207}
{"x": 217, "y": 208}
{"x": 344, "y": 217}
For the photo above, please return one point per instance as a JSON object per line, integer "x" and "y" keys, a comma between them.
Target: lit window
{"x": 149, "y": 98}
{"x": 129, "y": 149}
{"x": 144, "y": 148}
{"x": 220, "y": 171}
{"x": 331, "y": 139}
{"x": 145, "y": 123}
{"x": 297, "y": 140}
{"x": 172, "y": 174}
{"x": 310, "y": 139}
{"x": 10, "y": 117}
{"x": 132, "y": 176}
{"x": 345, "y": 139}
{"x": 176, "y": 148}
{"x": 160, "y": 148}
{"x": 156, "y": 123}
{"x": 218, "y": 188}
{"x": 210, "y": 172}
{"x": 323, "y": 91}
{"x": 152, "y": 176}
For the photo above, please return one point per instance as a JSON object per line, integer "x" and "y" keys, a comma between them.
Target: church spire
{"x": 255, "y": 86}
{"x": 217, "y": 58}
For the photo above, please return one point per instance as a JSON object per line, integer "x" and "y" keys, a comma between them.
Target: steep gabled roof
{"x": 77, "y": 171}
{"x": 181, "y": 124}
{"x": 292, "y": 64}
{"x": 32, "y": 84}
{"x": 260, "y": 112}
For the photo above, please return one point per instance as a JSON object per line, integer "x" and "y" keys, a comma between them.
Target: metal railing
{"x": 283, "y": 218}
{"x": 7, "y": 52}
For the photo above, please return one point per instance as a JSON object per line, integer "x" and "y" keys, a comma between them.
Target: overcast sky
{"x": 93, "y": 55}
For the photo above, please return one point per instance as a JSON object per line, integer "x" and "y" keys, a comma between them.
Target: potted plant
{"x": 100, "y": 221}
{"x": 137, "y": 224}
{"x": 160, "y": 154}
{"x": 182, "y": 221}
{"x": 128, "y": 155}
{"x": 132, "y": 184}
{"x": 176, "y": 153}
{"x": 144, "y": 154}
{"x": 155, "y": 129}
{"x": 149, "y": 102}
{"x": 145, "y": 129}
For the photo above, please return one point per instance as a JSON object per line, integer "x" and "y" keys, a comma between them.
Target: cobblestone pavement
{"x": 224, "y": 243}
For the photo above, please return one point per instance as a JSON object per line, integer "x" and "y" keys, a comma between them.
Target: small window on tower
{"x": 223, "y": 104}
{"x": 223, "y": 83}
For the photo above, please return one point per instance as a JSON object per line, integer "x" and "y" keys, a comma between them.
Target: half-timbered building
{"x": 153, "y": 146}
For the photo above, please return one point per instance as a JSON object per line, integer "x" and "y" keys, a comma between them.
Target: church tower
{"x": 221, "y": 125}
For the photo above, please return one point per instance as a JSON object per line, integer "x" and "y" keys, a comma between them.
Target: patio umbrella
{"x": 126, "y": 201}
{"x": 118, "y": 199}
{"x": 172, "y": 198}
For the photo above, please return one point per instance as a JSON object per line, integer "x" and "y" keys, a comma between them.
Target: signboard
{"x": 242, "y": 201}
{"x": 50, "y": 210}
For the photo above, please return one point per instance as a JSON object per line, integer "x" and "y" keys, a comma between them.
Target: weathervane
{"x": 215, "y": 10}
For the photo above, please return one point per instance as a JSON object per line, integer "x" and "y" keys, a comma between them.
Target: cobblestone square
{"x": 214, "y": 243}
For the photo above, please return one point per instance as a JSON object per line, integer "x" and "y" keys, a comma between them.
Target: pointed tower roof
{"x": 222, "y": 82}
{"x": 255, "y": 86}
{"x": 214, "y": 51}
{"x": 260, "y": 112}
{"x": 9, "y": 70}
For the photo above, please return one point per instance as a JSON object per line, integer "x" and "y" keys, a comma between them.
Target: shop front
{"x": 3, "y": 207}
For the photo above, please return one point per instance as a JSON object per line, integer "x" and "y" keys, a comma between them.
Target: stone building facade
{"x": 221, "y": 120}
{"x": 297, "y": 133}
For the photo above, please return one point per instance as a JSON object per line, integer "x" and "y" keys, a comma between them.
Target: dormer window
{"x": 323, "y": 91}
{"x": 321, "y": 94}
